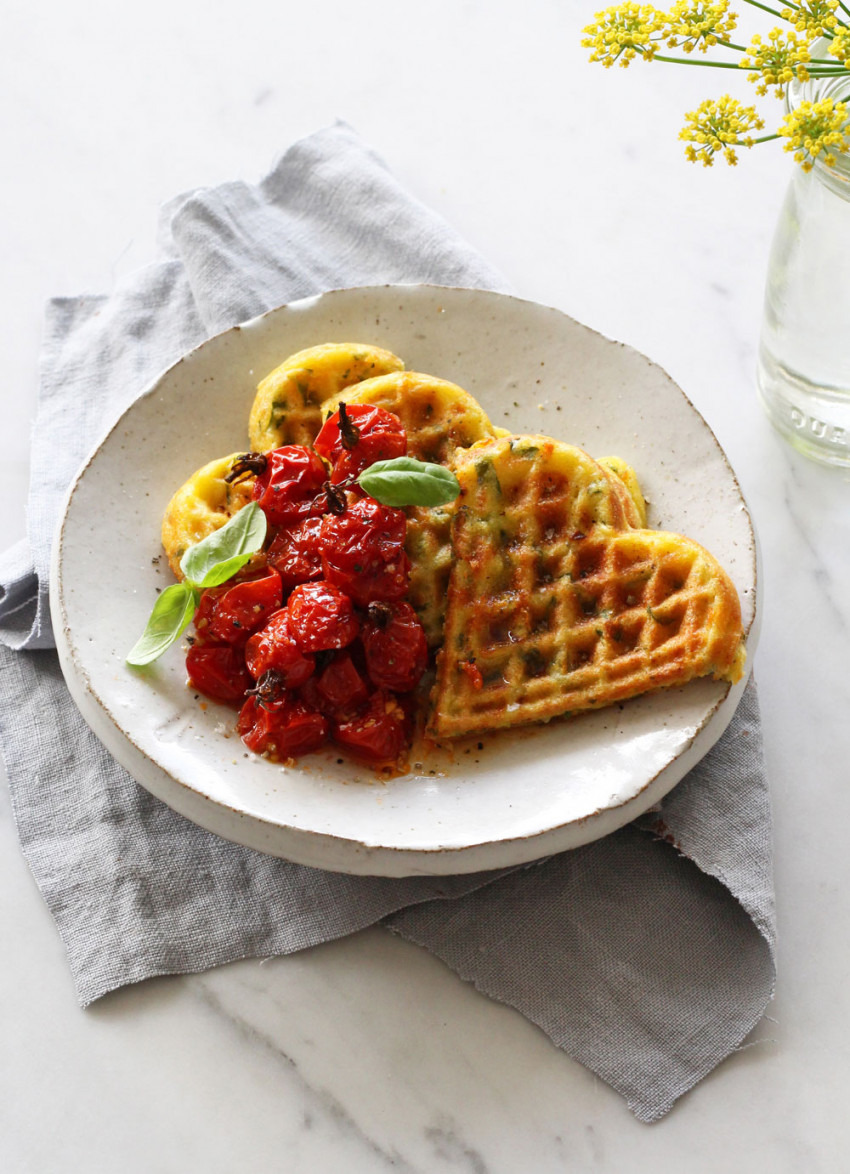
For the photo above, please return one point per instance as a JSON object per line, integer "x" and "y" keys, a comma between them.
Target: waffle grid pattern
{"x": 439, "y": 417}
{"x": 553, "y": 609}
{"x": 429, "y": 549}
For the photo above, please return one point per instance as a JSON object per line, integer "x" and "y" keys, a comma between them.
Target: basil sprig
{"x": 406, "y": 481}
{"x": 208, "y": 563}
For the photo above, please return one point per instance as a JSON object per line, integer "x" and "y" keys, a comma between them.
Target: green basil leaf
{"x": 221, "y": 572}
{"x": 172, "y": 613}
{"x": 243, "y": 534}
{"x": 406, "y": 481}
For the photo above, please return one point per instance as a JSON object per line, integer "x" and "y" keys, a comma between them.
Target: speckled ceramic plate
{"x": 525, "y": 794}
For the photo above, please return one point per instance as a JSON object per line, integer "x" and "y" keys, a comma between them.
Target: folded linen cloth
{"x": 648, "y": 956}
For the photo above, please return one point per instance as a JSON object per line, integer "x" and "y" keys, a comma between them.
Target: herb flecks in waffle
{"x": 558, "y": 603}
{"x": 288, "y": 406}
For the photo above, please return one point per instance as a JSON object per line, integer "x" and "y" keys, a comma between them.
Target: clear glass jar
{"x": 804, "y": 354}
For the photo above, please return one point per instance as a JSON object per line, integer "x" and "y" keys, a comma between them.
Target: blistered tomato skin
{"x": 218, "y": 672}
{"x": 295, "y": 553}
{"x": 395, "y": 646}
{"x": 274, "y": 648}
{"x": 238, "y": 611}
{"x": 283, "y": 729}
{"x": 204, "y": 613}
{"x": 377, "y": 736}
{"x": 363, "y": 551}
{"x": 339, "y": 691}
{"x": 290, "y": 488}
{"x": 381, "y": 437}
{"x": 321, "y": 616}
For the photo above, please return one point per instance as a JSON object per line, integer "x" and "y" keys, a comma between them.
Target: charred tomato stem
{"x": 380, "y": 614}
{"x": 349, "y": 433}
{"x": 269, "y": 688}
{"x": 336, "y": 499}
{"x": 248, "y": 463}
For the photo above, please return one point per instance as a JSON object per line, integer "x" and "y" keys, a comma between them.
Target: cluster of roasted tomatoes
{"x": 315, "y": 643}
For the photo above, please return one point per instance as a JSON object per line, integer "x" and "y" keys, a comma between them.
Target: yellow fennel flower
{"x": 814, "y": 128}
{"x": 778, "y": 61}
{"x": 693, "y": 24}
{"x": 624, "y": 32}
{"x": 717, "y": 126}
{"x": 839, "y": 46}
{"x": 815, "y": 17}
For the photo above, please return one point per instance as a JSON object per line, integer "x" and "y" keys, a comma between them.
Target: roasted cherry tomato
{"x": 204, "y": 613}
{"x": 290, "y": 487}
{"x": 367, "y": 434}
{"x": 281, "y": 729}
{"x": 295, "y": 553}
{"x": 274, "y": 648}
{"x": 339, "y": 691}
{"x": 395, "y": 646}
{"x": 218, "y": 671}
{"x": 378, "y": 735}
{"x": 233, "y": 613}
{"x": 321, "y": 616}
{"x": 363, "y": 551}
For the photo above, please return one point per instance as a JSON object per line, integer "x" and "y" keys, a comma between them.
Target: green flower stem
{"x": 765, "y": 139}
{"x": 841, "y": 4}
{"x": 765, "y": 8}
{"x": 706, "y": 64}
{"x": 837, "y": 71}
{"x": 732, "y": 45}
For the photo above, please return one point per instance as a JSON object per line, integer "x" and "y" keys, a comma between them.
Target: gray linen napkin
{"x": 648, "y": 956}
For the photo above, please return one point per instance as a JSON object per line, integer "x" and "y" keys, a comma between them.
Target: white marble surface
{"x": 368, "y": 1054}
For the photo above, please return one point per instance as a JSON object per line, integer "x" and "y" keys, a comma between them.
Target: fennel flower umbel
{"x": 815, "y": 17}
{"x": 777, "y": 62}
{"x": 816, "y": 127}
{"x": 623, "y": 33}
{"x": 696, "y": 24}
{"x": 718, "y": 126}
{"x": 839, "y": 46}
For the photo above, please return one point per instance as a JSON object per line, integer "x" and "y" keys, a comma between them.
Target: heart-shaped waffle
{"x": 557, "y": 603}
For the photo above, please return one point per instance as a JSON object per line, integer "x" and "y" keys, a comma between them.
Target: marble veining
{"x": 321, "y": 1107}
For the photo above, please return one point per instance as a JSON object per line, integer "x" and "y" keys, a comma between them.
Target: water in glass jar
{"x": 804, "y": 356}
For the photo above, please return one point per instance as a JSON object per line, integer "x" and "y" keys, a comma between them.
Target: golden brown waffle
{"x": 287, "y": 407}
{"x": 429, "y": 549}
{"x": 629, "y": 478}
{"x": 428, "y": 546}
{"x": 439, "y": 418}
{"x": 556, "y": 605}
{"x": 200, "y": 506}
